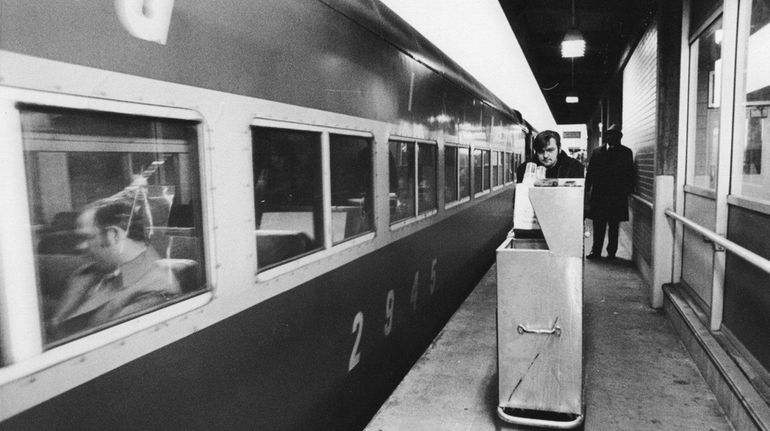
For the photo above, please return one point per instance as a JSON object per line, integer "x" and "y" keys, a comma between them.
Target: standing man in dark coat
{"x": 610, "y": 178}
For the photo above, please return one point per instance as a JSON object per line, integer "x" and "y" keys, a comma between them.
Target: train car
{"x": 233, "y": 215}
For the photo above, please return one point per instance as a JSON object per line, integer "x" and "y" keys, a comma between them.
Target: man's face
{"x": 97, "y": 243}
{"x": 549, "y": 154}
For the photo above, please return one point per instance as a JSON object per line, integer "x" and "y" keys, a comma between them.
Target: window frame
{"x": 22, "y": 309}
{"x": 329, "y": 248}
{"x": 458, "y": 199}
{"x": 485, "y": 172}
{"x": 737, "y": 193}
{"x": 419, "y": 215}
{"x": 692, "y": 143}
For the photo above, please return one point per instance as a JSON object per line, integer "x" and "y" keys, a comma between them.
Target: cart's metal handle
{"x": 556, "y": 330}
{"x": 534, "y": 422}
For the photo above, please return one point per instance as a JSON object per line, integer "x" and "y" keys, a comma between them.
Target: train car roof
{"x": 381, "y": 20}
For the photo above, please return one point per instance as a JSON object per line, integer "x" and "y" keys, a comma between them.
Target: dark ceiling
{"x": 608, "y": 26}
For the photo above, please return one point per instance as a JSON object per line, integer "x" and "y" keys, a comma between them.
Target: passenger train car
{"x": 319, "y": 184}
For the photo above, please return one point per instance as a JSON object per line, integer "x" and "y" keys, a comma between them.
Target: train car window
{"x": 507, "y": 167}
{"x": 116, "y": 215}
{"x": 426, "y": 172}
{"x": 464, "y": 172}
{"x": 288, "y": 194}
{"x": 402, "y": 180}
{"x": 496, "y": 168}
{"x": 751, "y": 170}
{"x": 706, "y": 70}
{"x": 480, "y": 170}
{"x": 351, "y": 186}
{"x": 451, "y": 192}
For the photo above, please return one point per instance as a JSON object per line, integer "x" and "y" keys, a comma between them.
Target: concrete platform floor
{"x": 638, "y": 375}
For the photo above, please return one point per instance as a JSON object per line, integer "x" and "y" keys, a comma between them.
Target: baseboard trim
{"x": 743, "y": 405}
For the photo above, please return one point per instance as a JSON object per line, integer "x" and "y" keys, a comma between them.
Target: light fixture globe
{"x": 573, "y": 44}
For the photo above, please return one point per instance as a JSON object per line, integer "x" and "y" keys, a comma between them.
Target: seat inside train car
{"x": 283, "y": 235}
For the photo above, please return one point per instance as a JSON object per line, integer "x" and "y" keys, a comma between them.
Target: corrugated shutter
{"x": 640, "y": 89}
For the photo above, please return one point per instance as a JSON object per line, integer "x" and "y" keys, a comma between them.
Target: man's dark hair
{"x": 125, "y": 214}
{"x": 542, "y": 139}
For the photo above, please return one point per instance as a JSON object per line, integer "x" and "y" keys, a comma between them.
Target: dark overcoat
{"x": 565, "y": 167}
{"x": 610, "y": 178}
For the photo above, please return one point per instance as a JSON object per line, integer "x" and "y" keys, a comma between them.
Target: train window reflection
{"x": 288, "y": 194}
{"x": 426, "y": 172}
{"x": 116, "y": 216}
{"x": 507, "y": 167}
{"x": 480, "y": 170}
{"x": 751, "y": 172}
{"x": 401, "y": 180}
{"x": 451, "y": 192}
{"x": 351, "y": 186}
{"x": 496, "y": 168}
{"x": 464, "y": 171}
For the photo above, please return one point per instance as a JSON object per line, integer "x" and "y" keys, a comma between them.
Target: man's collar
{"x": 134, "y": 269}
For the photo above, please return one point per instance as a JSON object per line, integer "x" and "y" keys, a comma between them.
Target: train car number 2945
{"x": 390, "y": 305}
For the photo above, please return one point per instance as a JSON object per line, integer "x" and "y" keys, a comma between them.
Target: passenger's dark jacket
{"x": 610, "y": 178}
{"x": 565, "y": 167}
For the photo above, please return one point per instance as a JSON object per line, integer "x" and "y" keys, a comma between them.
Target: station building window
{"x": 413, "y": 173}
{"x": 292, "y": 216}
{"x": 706, "y": 66}
{"x": 115, "y": 212}
{"x": 751, "y": 169}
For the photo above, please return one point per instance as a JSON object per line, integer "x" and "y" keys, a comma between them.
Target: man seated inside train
{"x": 548, "y": 153}
{"x": 124, "y": 275}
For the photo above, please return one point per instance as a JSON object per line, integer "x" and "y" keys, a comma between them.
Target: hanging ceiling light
{"x": 572, "y": 96}
{"x": 573, "y": 44}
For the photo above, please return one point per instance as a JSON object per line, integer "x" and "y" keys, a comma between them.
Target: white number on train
{"x": 389, "y": 304}
{"x": 146, "y": 19}
{"x": 433, "y": 276}
{"x": 415, "y": 286}
{"x": 358, "y": 328}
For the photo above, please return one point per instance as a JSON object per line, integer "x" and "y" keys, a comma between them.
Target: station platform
{"x": 637, "y": 373}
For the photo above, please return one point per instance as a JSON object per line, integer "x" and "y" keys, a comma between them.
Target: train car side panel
{"x": 286, "y": 363}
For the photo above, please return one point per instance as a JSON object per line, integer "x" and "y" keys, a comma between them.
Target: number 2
{"x": 358, "y": 328}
